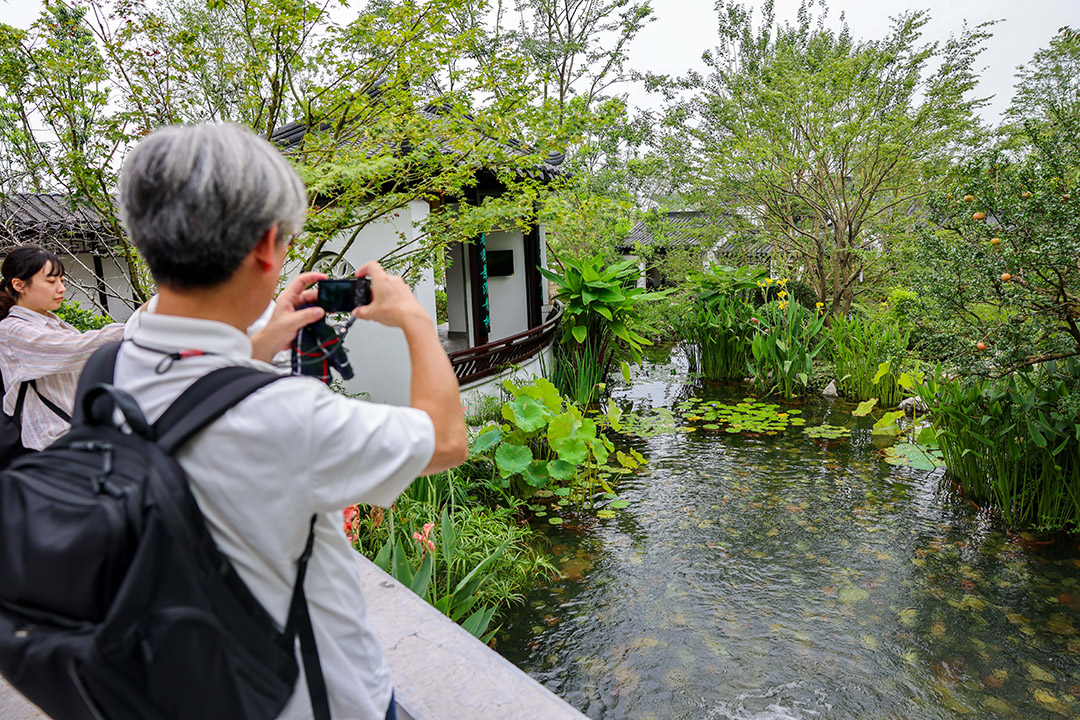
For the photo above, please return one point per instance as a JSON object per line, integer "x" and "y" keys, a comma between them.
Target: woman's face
{"x": 43, "y": 292}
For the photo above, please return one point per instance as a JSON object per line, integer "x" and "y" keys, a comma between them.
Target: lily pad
{"x": 828, "y": 432}
{"x": 915, "y": 456}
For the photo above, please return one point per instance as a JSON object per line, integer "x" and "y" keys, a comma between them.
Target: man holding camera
{"x": 213, "y": 209}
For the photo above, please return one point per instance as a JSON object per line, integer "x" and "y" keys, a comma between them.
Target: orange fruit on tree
{"x": 969, "y": 198}
{"x": 981, "y": 346}
{"x": 979, "y": 216}
{"x": 1006, "y": 277}
{"x": 1026, "y": 195}
{"x": 995, "y": 241}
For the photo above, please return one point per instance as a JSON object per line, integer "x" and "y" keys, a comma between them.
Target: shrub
{"x": 602, "y": 314}
{"x": 80, "y": 318}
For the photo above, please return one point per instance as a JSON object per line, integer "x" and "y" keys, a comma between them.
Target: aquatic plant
{"x": 748, "y": 416}
{"x": 1014, "y": 443}
{"x": 601, "y": 315}
{"x": 827, "y": 432}
{"x": 859, "y": 347}
{"x": 547, "y": 442}
{"x": 784, "y": 346}
{"x": 717, "y": 329}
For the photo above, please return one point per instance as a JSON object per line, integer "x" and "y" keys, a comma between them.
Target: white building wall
{"x": 82, "y": 285}
{"x": 506, "y": 294}
{"x": 379, "y": 354}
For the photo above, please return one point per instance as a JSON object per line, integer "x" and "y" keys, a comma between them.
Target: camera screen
{"x": 337, "y": 295}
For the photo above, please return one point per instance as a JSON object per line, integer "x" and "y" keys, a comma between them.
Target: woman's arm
{"x": 42, "y": 351}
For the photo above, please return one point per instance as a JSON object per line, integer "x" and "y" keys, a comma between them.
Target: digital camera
{"x": 338, "y": 296}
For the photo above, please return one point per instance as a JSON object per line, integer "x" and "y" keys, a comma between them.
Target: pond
{"x": 773, "y": 578}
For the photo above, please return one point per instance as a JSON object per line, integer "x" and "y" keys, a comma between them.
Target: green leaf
{"x": 487, "y": 439}
{"x": 625, "y": 372}
{"x": 448, "y": 539}
{"x": 512, "y": 459}
{"x": 536, "y": 474}
{"x": 555, "y": 520}
{"x": 526, "y": 412}
{"x": 887, "y": 424}
{"x": 883, "y": 369}
{"x": 422, "y": 578}
{"x": 403, "y": 572}
{"x": 572, "y": 450}
{"x": 561, "y": 470}
{"x": 579, "y": 332}
{"x": 906, "y": 381}
{"x": 382, "y": 559}
{"x": 864, "y": 408}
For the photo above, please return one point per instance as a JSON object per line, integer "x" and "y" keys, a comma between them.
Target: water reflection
{"x": 771, "y": 578}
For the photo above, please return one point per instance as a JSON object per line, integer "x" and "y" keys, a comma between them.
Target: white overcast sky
{"x": 683, "y": 29}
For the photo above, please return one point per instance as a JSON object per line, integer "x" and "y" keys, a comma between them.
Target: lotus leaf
{"x": 512, "y": 459}
{"x": 487, "y": 439}
{"x": 828, "y": 432}
{"x": 526, "y": 413}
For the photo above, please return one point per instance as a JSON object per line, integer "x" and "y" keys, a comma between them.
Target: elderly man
{"x": 213, "y": 209}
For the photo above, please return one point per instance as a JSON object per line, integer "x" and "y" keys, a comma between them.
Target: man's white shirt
{"x": 291, "y": 450}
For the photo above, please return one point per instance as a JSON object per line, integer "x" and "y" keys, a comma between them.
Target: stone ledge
{"x": 440, "y": 671}
{"x": 13, "y": 706}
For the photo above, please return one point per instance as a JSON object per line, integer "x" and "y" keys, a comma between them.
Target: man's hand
{"x": 287, "y": 319}
{"x": 392, "y": 301}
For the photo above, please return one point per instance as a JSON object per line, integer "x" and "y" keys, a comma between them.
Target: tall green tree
{"x": 825, "y": 141}
{"x": 1001, "y": 259}
{"x": 59, "y": 131}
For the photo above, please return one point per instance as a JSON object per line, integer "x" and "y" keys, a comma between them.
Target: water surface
{"x": 771, "y": 578}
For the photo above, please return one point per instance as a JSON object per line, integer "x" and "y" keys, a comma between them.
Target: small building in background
{"x": 672, "y": 243}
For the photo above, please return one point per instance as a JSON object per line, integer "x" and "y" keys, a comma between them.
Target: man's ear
{"x": 265, "y": 252}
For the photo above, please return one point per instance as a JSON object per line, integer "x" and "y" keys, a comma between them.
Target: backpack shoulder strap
{"x": 16, "y": 416}
{"x": 206, "y": 401}
{"x": 98, "y": 370}
{"x": 198, "y": 406}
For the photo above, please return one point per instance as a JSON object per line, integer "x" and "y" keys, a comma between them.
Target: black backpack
{"x": 115, "y": 602}
{"x": 11, "y": 445}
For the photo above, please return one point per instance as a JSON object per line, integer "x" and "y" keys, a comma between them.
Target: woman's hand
{"x": 288, "y": 317}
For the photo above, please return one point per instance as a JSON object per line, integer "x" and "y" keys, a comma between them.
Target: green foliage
{"x": 1000, "y": 260}
{"x": 786, "y": 340}
{"x": 80, "y": 318}
{"x": 717, "y": 329}
{"x": 601, "y": 315}
{"x": 859, "y": 347}
{"x": 749, "y": 416}
{"x": 547, "y": 442}
{"x": 828, "y": 433}
{"x": 1014, "y": 444}
{"x": 825, "y": 139}
{"x": 483, "y": 558}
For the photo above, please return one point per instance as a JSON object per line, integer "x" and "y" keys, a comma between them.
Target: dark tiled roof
{"x": 49, "y": 218}
{"x": 691, "y": 228}
{"x": 289, "y": 136}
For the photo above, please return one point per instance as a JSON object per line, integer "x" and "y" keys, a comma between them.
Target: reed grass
{"x": 859, "y": 347}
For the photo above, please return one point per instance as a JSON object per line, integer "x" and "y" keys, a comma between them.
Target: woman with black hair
{"x": 40, "y": 354}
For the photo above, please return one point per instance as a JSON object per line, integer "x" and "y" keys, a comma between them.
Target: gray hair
{"x": 196, "y": 199}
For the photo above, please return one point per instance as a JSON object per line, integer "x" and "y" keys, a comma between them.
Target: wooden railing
{"x": 484, "y": 361}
